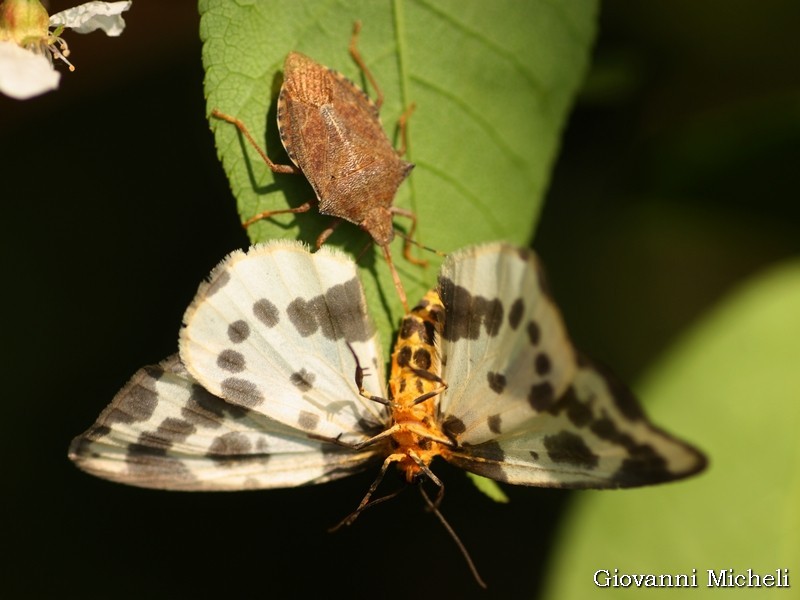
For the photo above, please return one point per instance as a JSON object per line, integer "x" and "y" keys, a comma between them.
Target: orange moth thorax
{"x": 415, "y": 384}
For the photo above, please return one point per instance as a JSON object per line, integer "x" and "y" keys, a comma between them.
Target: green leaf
{"x": 732, "y": 386}
{"x": 492, "y": 83}
{"x": 489, "y": 487}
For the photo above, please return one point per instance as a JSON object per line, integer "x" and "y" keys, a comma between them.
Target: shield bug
{"x": 333, "y": 135}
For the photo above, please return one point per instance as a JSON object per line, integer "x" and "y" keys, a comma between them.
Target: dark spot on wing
{"x": 516, "y": 312}
{"x": 534, "y": 333}
{"x": 497, "y": 381}
{"x": 170, "y": 431}
{"x": 207, "y": 410}
{"x": 542, "y": 364}
{"x": 302, "y": 380}
{"x": 643, "y": 467}
{"x": 219, "y": 282}
{"x": 491, "y": 465}
{"x": 468, "y": 314}
{"x": 623, "y": 398}
{"x": 453, "y": 426}
{"x": 139, "y": 452}
{"x": 339, "y": 314}
{"x": 534, "y": 454}
{"x": 494, "y": 424}
{"x": 578, "y": 412}
{"x": 150, "y": 464}
{"x": 541, "y": 396}
{"x": 238, "y": 331}
{"x": 156, "y": 372}
{"x": 605, "y": 428}
{"x": 307, "y": 421}
{"x": 136, "y": 402}
{"x": 203, "y": 408}
{"x": 544, "y": 284}
{"x": 266, "y": 312}
{"x": 229, "y": 444}
{"x": 567, "y": 447}
{"x": 242, "y": 392}
{"x": 231, "y": 361}
{"x": 97, "y": 432}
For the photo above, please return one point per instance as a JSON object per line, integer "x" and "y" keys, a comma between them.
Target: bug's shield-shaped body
{"x": 483, "y": 375}
{"x": 331, "y": 130}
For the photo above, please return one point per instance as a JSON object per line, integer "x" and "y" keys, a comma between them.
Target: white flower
{"x": 93, "y": 15}
{"x": 28, "y": 46}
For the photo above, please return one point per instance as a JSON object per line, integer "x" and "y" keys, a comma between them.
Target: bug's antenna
{"x": 432, "y": 507}
{"x": 408, "y": 239}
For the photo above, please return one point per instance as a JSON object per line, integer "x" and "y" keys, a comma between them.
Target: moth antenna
{"x": 473, "y": 569}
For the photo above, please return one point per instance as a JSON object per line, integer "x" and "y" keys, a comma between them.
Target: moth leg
{"x": 359, "y": 377}
{"x": 305, "y": 207}
{"x": 431, "y": 394}
{"x": 434, "y": 479}
{"x": 363, "y": 66}
{"x": 274, "y": 167}
{"x": 407, "y": 240}
{"x": 365, "y": 501}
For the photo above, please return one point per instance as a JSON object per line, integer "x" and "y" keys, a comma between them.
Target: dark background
{"x": 678, "y": 178}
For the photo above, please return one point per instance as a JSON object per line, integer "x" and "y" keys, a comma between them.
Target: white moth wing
{"x": 505, "y": 352}
{"x": 164, "y": 431}
{"x": 272, "y": 331}
{"x": 594, "y": 436}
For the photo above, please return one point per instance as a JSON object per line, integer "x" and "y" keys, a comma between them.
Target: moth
{"x": 333, "y": 135}
{"x": 279, "y": 383}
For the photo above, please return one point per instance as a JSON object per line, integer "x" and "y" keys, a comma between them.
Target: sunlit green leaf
{"x": 492, "y": 83}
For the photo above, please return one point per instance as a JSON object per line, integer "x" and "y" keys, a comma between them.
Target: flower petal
{"x": 24, "y": 74}
{"x": 93, "y": 15}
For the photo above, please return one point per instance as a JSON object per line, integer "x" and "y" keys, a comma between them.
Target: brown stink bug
{"x": 332, "y": 132}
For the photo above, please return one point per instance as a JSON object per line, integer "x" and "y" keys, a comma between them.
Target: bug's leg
{"x": 305, "y": 207}
{"x": 402, "y": 212}
{"x": 396, "y": 279}
{"x": 402, "y": 130}
{"x": 363, "y": 66}
{"x": 326, "y": 233}
{"x": 274, "y": 167}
